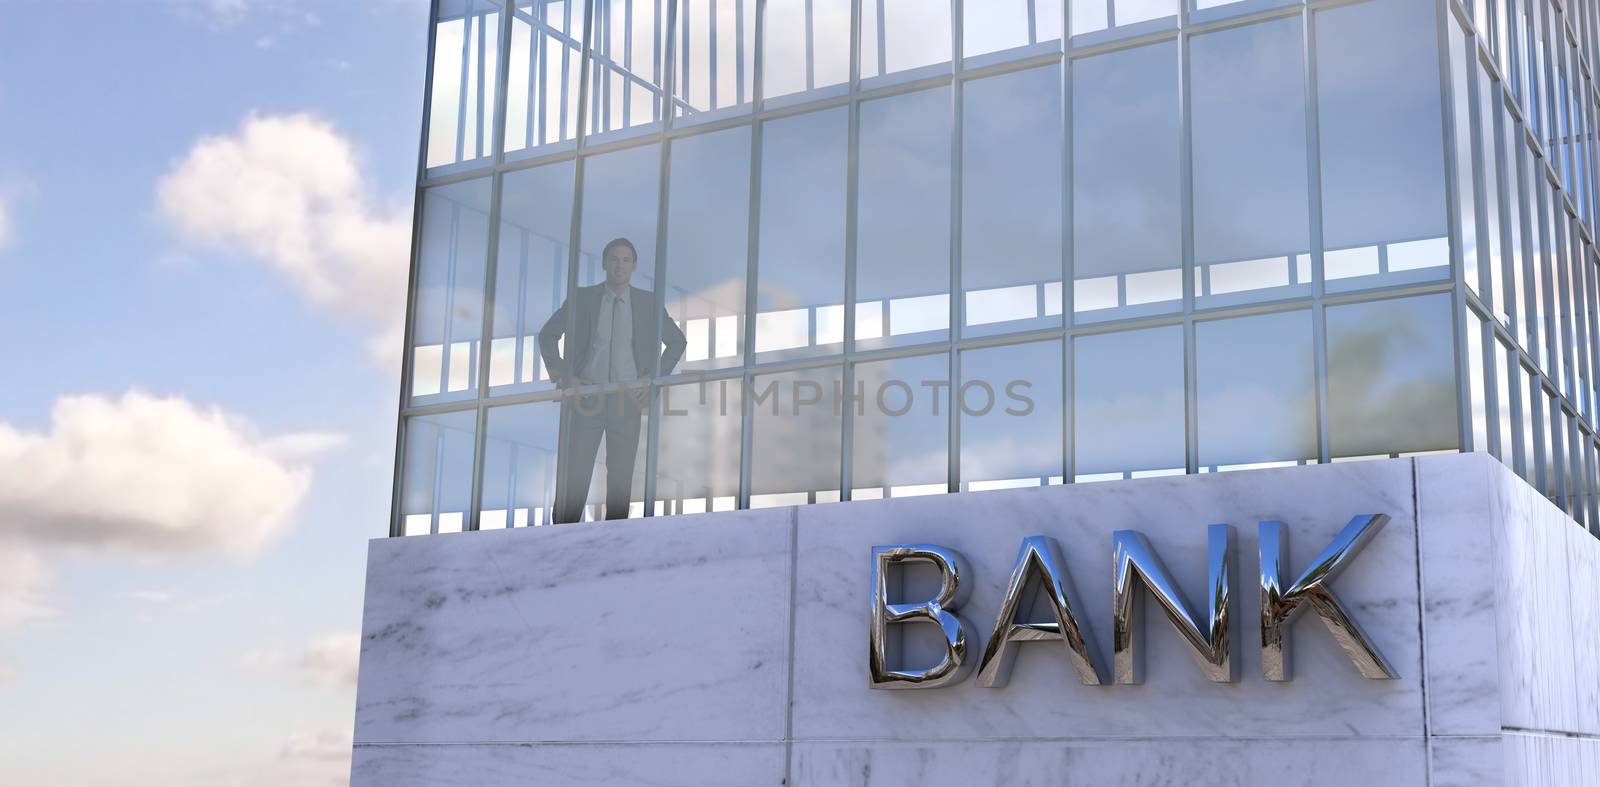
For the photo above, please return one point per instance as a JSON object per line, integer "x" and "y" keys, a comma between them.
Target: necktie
{"x": 615, "y": 359}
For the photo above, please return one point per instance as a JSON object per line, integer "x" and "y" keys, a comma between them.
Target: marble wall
{"x": 730, "y": 648}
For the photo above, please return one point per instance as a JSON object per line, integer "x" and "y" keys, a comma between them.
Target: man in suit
{"x": 610, "y": 339}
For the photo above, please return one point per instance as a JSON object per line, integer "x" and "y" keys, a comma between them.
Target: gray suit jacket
{"x": 585, "y": 305}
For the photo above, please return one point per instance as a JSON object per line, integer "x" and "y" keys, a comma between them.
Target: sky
{"x": 204, "y": 215}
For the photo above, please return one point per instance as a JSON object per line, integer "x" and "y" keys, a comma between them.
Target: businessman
{"x": 610, "y": 338}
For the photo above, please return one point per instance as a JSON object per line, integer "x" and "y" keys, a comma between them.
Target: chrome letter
{"x": 939, "y": 610}
{"x": 1279, "y": 606}
{"x": 1132, "y": 556}
{"x": 1039, "y": 555}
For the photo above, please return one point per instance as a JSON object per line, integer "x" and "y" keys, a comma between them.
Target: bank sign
{"x": 1039, "y": 572}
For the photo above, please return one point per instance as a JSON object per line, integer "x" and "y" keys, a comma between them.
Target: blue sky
{"x": 199, "y": 431}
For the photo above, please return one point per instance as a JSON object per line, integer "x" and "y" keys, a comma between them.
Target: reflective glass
{"x": 542, "y": 74}
{"x": 1503, "y": 400}
{"x": 1011, "y": 202}
{"x": 998, "y": 25}
{"x": 1128, "y": 12}
{"x": 1127, "y": 231}
{"x": 1378, "y": 116}
{"x": 620, "y": 194}
{"x": 795, "y": 437}
{"x": 530, "y": 274}
{"x": 1391, "y": 377}
{"x": 447, "y": 318}
{"x": 1010, "y": 399}
{"x": 900, "y": 438}
{"x": 436, "y": 475}
{"x": 1489, "y": 154}
{"x": 466, "y": 63}
{"x": 1088, "y": 16}
{"x": 1554, "y": 447}
{"x": 601, "y": 472}
{"x": 800, "y": 275}
{"x": 901, "y": 35}
{"x": 697, "y": 464}
{"x": 807, "y": 46}
{"x": 1128, "y": 403}
{"x": 708, "y": 241}
{"x": 1255, "y": 388}
{"x": 715, "y": 66}
{"x": 903, "y": 230}
{"x": 1249, "y": 149}
{"x": 1516, "y": 299}
{"x": 1528, "y": 384}
{"x": 1477, "y": 384}
{"x": 520, "y": 467}
{"x": 627, "y": 76}
{"x": 1461, "y": 114}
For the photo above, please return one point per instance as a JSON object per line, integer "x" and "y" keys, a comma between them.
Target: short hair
{"x": 619, "y": 242}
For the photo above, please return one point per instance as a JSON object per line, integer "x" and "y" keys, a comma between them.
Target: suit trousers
{"x": 585, "y": 421}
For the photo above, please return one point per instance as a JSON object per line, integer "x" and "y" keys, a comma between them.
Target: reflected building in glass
{"x": 920, "y": 247}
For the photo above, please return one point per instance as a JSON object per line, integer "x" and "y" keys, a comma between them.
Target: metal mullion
{"x": 752, "y": 265}
{"x": 957, "y": 292}
{"x": 491, "y": 268}
{"x": 883, "y": 40}
{"x": 653, "y": 441}
{"x": 811, "y": 54}
{"x": 1319, "y": 332}
{"x": 627, "y": 63}
{"x": 711, "y": 51}
{"x": 1068, "y": 228}
{"x": 1191, "y": 390}
{"x": 852, "y": 176}
{"x": 537, "y": 84}
{"x": 411, "y": 277}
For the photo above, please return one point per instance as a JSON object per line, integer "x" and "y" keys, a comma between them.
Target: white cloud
{"x": 217, "y": 13}
{"x": 324, "y": 745}
{"x": 25, "y": 582}
{"x": 145, "y": 473}
{"x": 328, "y": 660}
{"x": 289, "y": 191}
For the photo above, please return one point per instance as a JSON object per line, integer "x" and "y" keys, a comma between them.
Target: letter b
{"x": 939, "y": 610}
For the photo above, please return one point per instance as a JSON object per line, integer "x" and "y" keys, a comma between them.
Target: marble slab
{"x": 1456, "y": 497}
{"x": 1538, "y": 690}
{"x": 577, "y": 765}
{"x": 664, "y": 629}
{"x": 1467, "y": 761}
{"x": 1327, "y": 696}
{"x": 1119, "y": 763}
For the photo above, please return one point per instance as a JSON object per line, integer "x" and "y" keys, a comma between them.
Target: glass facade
{"x": 700, "y": 255}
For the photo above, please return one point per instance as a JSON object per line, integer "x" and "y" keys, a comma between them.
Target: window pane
{"x": 1554, "y": 447}
{"x": 448, "y": 319}
{"x": 902, "y": 427}
{"x": 1249, "y": 148}
{"x": 1133, "y": 11}
{"x": 1255, "y": 387}
{"x": 996, "y": 25}
{"x": 800, "y": 275}
{"x": 530, "y": 275}
{"x": 602, "y": 472}
{"x": 1087, "y": 16}
{"x": 1129, "y": 403}
{"x": 1378, "y": 110}
{"x": 620, "y": 192}
{"x": 807, "y": 46}
{"x": 1391, "y": 377}
{"x": 466, "y": 59}
{"x": 1010, "y": 402}
{"x": 1489, "y": 154}
{"x": 1461, "y": 113}
{"x": 795, "y": 437}
{"x": 519, "y": 466}
{"x": 903, "y": 236}
{"x": 1476, "y": 383}
{"x": 708, "y": 240}
{"x": 542, "y": 74}
{"x": 1011, "y": 202}
{"x": 627, "y": 76}
{"x": 697, "y": 465}
{"x": 436, "y": 478}
{"x": 1126, "y": 232}
{"x": 715, "y": 66}
{"x": 1503, "y": 400}
{"x": 1529, "y": 382}
{"x": 899, "y": 35}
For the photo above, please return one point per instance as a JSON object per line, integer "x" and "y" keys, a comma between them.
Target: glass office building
{"x": 932, "y": 246}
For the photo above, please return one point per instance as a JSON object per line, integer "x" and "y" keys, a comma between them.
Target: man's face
{"x": 619, "y": 264}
